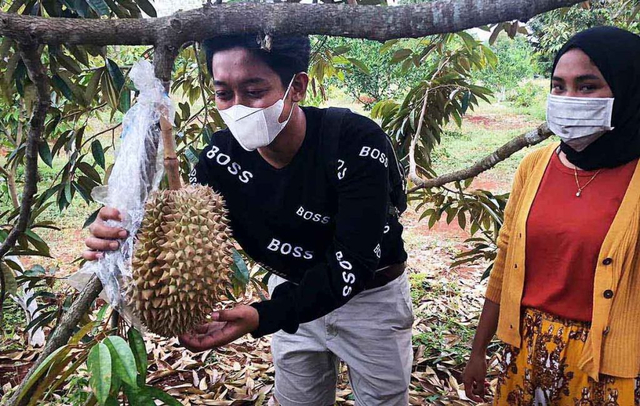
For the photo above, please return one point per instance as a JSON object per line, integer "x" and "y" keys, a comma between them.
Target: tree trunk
{"x": 373, "y": 22}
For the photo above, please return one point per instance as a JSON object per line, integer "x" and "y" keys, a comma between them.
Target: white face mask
{"x": 579, "y": 121}
{"x": 255, "y": 127}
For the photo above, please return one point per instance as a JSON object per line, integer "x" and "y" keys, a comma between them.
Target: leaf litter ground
{"x": 446, "y": 305}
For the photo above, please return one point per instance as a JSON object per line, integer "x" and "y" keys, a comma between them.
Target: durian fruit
{"x": 182, "y": 258}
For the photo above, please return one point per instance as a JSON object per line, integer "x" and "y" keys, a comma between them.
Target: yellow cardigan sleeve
{"x": 494, "y": 289}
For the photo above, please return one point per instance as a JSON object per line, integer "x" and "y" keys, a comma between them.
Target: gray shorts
{"x": 371, "y": 334}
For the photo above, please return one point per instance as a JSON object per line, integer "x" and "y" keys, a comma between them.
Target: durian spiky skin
{"x": 182, "y": 258}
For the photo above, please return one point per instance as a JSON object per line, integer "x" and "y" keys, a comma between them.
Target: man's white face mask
{"x": 256, "y": 127}
{"x": 579, "y": 121}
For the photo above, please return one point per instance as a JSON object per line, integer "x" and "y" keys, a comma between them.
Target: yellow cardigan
{"x": 613, "y": 345}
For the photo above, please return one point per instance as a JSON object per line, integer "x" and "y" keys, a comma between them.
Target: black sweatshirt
{"x": 325, "y": 236}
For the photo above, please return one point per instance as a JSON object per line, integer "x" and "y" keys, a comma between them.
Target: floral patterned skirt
{"x": 544, "y": 372}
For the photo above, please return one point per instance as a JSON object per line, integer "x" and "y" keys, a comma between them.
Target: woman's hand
{"x": 103, "y": 237}
{"x": 227, "y": 326}
{"x": 474, "y": 376}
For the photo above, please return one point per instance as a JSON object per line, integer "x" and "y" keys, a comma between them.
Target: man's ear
{"x": 299, "y": 87}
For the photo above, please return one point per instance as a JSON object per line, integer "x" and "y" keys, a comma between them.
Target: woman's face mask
{"x": 580, "y": 106}
{"x": 579, "y": 121}
{"x": 255, "y": 127}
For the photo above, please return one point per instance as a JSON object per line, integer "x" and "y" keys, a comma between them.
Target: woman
{"x": 563, "y": 291}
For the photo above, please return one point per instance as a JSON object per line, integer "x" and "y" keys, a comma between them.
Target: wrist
{"x": 254, "y": 318}
{"x": 479, "y": 352}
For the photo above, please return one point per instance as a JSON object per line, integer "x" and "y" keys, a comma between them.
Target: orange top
{"x": 564, "y": 236}
{"x": 613, "y": 345}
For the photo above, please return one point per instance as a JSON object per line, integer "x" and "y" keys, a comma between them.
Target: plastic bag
{"x": 137, "y": 172}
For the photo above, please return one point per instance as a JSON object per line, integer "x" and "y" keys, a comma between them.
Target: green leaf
{"x": 465, "y": 101}
{"x": 99, "y": 365}
{"x": 99, "y": 6}
{"x": 116, "y": 74}
{"x": 360, "y": 65}
{"x": 91, "y": 219}
{"x": 123, "y": 360}
{"x": 98, "y": 153}
{"x": 92, "y": 86}
{"x": 138, "y": 396}
{"x": 79, "y": 335}
{"x": 67, "y": 192}
{"x": 400, "y": 55}
{"x": 89, "y": 170}
{"x": 241, "y": 271}
{"x": 162, "y": 396}
{"x": 462, "y": 220}
{"x": 139, "y": 352}
{"x": 62, "y": 86}
{"x": 147, "y": 7}
{"x": 102, "y": 312}
{"x": 387, "y": 45}
{"x": 191, "y": 155}
{"x": 185, "y": 110}
{"x": 45, "y": 153}
{"x": 42, "y": 368}
{"x": 69, "y": 63}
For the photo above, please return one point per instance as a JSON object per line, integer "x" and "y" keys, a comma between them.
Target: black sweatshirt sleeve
{"x": 353, "y": 255}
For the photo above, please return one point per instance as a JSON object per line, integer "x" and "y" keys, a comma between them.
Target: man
{"x": 314, "y": 196}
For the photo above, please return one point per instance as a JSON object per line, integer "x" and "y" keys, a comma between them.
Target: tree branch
{"x": 528, "y": 139}
{"x": 373, "y": 22}
{"x": 31, "y": 58}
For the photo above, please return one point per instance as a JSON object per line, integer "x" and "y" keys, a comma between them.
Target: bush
{"x": 530, "y": 97}
{"x": 515, "y": 63}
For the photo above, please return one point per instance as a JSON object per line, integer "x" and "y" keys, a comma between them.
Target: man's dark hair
{"x": 287, "y": 56}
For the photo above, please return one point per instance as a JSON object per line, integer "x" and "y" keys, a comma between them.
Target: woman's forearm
{"x": 486, "y": 328}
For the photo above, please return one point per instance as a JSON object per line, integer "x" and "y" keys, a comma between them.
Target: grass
{"x": 484, "y": 130}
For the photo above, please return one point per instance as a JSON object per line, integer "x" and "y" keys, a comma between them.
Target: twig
{"x": 35, "y": 69}
{"x": 414, "y": 140}
{"x": 11, "y": 186}
{"x": 413, "y": 175}
{"x": 94, "y": 136}
{"x": 528, "y": 139}
{"x": 202, "y": 91}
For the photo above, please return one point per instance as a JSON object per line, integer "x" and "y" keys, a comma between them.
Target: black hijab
{"x": 616, "y": 53}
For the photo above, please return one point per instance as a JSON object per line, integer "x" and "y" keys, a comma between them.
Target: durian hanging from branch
{"x": 175, "y": 266}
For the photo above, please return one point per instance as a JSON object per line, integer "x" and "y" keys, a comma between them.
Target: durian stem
{"x": 165, "y": 53}
{"x": 170, "y": 157}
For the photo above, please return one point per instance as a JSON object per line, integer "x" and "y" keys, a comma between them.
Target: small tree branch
{"x": 373, "y": 22}
{"x": 528, "y": 139}
{"x": 11, "y": 185}
{"x": 31, "y": 58}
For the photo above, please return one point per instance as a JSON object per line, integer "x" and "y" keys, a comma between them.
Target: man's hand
{"x": 103, "y": 237}
{"x": 228, "y": 326}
